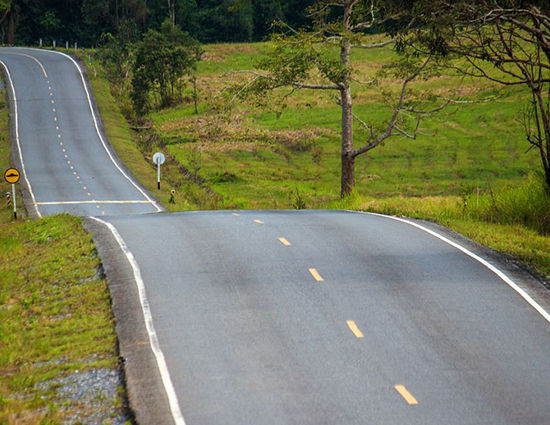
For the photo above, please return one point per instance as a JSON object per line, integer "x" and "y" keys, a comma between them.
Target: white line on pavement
{"x": 496, "y": 271}
{"x": 153, "y": 338}
{"x": 17, "y": 139}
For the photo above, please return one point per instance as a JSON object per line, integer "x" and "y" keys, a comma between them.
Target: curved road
{"x": 289, "y": 317}
{"x": 66, "y": 160}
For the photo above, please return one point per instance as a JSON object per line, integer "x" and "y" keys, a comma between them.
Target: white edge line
{"x": 496, "y": 271}
{"x": 17, "y": 140}
{"x": 148, "y": 318}
{"x": 91, "y": 202}
{"x": 97, "y": 127}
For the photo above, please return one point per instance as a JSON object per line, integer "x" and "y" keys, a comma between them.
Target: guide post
{"x": 158, "y": 159}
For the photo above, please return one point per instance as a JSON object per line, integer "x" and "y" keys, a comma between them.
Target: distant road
{"x": 67, "y": 162}
{"x": 284, "y": 317}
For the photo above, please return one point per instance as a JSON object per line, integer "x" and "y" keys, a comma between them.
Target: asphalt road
{"x": 252, "y": 335}
{"x": 67, "y": 165}
{"x": 283, "y": 317}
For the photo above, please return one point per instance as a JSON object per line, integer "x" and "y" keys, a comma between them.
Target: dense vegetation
{"x": 84, "y": 21}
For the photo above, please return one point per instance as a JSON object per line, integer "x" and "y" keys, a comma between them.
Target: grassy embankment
{"x": 56, "y": 325}
{"x": 457, "y": 172}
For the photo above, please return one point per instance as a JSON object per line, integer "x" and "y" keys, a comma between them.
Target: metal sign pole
{"x": 158, "y": 174}
{"x": 14, "y": 202}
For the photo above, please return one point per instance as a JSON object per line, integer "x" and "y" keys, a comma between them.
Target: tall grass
{"x": 527, "y": 204}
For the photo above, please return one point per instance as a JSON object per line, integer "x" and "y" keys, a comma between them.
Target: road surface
{"x": 62, "y": 150}
{"x": 285, "y": 317}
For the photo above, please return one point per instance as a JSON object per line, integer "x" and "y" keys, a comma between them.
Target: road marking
{"x": 258, "y": 221}
{"x": 97, "y": 127}
{"x": 53, "y": 109}
{"x": 285, "y": 242}
{"x": 236, "y": 215}
{"x": 57, "y": 127}
{"x": 316, "y": 275}
{"x": 53, "y": 101}
{"x": 85, "y": 188}
{"x": 102, "y": 212}
{"x": 51, "y": 94}
{"x": 353, "y": 327}
{"x": 55, "y": 118}
{"x": 148, "y": 318}
{"x": 406, "y": 394}
{"x": 34, "y": 59}
{"x": 17, "y": 140}
{"x": 97, "y": 206}
{"x": 496, "y": 271}
{"x": 91, "y": 202}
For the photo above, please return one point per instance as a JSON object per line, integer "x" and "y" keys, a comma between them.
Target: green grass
{"x": 55, "y": 315}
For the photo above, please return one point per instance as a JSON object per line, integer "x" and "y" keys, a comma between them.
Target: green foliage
{"x": 162, "y": 59}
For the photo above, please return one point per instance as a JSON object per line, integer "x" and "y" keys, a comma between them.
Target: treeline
{"x": 25, "y": 22}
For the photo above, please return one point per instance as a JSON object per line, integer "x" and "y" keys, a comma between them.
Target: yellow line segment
{"x": 355, "y": 329}
{"x": 285, "y": 242}
{"x": 34, "y": 59}
{"x": 316, "y": 275}
{"x": 406, "y": 394}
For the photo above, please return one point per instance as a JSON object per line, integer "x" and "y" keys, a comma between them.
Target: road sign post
{"x": 12, "y": 176}
{"x": 158, "y": 159}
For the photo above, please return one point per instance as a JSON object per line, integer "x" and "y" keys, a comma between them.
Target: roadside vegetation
{"x": 58, "y": 359}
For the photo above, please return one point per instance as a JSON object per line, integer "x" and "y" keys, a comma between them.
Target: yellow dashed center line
{"x": 406, "y": 394}
{"x": 258, "y": 221}
{"x": 285, "y": 242}
{"x": 353, "y": 327}
{"x": 316, "y": 275}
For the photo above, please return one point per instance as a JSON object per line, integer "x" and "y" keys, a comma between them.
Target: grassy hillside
{"x": 254, "y": 158}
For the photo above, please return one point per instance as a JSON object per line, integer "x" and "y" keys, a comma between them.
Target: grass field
{"x": 258, "y": 158}
{"x": 58, "y": 355}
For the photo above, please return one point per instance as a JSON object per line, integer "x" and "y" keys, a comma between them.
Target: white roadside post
{"x": 12, "y": 176}
{"x": 158, "y": 159}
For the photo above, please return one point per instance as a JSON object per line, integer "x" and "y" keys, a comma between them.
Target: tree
{"x": 162, "y": 59}
{"x": 506, "y": 42}
{"x": 307, "y": 60}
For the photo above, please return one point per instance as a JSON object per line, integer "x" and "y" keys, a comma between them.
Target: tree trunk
{"x": 172, "y": 11}
{"x": 11, "y": 30}
{"x": 348, "y": 160}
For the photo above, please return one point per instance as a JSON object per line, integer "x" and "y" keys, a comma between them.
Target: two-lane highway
{"x": 329, "y": 317}
{"x": 282, "y": 317}
{"x": 66, "y": 161}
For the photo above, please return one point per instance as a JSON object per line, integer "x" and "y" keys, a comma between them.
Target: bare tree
{"x": 504, "y": 42}
{"x": 304, "y": 60}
